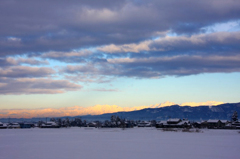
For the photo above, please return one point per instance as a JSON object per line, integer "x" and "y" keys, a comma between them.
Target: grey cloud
{"x": 219, "y": 42}
{"x": 153, "y": 67}
{"x": 31, "y": 61}
{"x": 6, "y": 62}
{"x": 222, "y": 42}
{"x": 55, "y": 30}
{"x": 43, "y": 26}
{"x": 188, "y": 28}
{"x": 179, "y": 65}
{"x": 26, "y": 71}
{"x": 68, "y": 57}
{"x": 10, "y": 61}
{"x": 36, "y": 86}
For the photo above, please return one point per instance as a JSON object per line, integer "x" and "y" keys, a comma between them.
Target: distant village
{"x": 117, "y": 122}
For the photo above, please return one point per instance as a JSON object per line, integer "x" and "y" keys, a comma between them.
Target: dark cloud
{"x": 181, "y": 66}
{"x": 188, "y": 28}
{"x": 220, "y": 42}
{"x": 42, "y": 26}
{"x": 167, "y": 56}
{"x": 68, "y": 57}
{"x": 36, "y": 86}
{"x": 159, "y": 67}
{"x": 10, "y": 61}
{"x": 26, "y": 71}
{"x": 106, "y": 39}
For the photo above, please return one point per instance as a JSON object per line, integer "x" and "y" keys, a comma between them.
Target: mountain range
{"x": 198, "y": 113}
{"x": 223, "y": 111}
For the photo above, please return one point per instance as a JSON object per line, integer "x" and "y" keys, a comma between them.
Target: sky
{"x": 117, "y": 55}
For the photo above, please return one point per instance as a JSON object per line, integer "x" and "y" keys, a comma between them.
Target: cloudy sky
{"x": 128, "y": 53}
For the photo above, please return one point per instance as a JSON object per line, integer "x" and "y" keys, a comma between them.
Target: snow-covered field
{"x": 135, "y": 143}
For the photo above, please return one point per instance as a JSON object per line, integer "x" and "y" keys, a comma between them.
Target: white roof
{"x": 212, "y": 121}
{"x": 51, "y": 122}
{"x": 162, "y": 122}
{"x": 173, "y": 120}
{"x": 183, "y": 122}
{"x": 144, "y": 122}
{"x": 224, "y": 121}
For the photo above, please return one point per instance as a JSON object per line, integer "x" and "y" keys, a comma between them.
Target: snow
{"x": 173, "y": 120}
{"x": 213, "y": 121}
{"x": 183, "y": 122}
{"x": 115, "y": 143}
{"x": 224, "y": 121}
{"x": 162, "y": 122}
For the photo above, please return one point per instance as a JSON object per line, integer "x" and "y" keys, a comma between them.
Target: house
{"x": 161, "y": 124}
{"x": 174, "y": 123}
{"x": 211, "y": 124}
{"x": 204, "y": 124}
{"x": 26, "y": 125}
{"x": 232, "y": 125}
{"x": 14, "y": 126}
{"x": 236, "y": 124}
{"x": 3, "y": 126}
{"x": 144, "y": 124}
{"x": 92, "y": 124}
{"x": 184, "y": 124}
{"x": 49, "y": 124}
{"x": 196, "y": 125}
{"x": 129, "y": 124}
{"x": 225, "y": 122}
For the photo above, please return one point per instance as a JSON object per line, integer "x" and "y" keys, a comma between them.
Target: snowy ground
{"x": 135, "y": 143}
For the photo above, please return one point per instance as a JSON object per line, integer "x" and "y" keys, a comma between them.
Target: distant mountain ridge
{"x": 91, "y": 110}
{"x": 222, "y": 111}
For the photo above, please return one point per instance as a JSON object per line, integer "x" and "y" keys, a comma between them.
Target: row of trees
{"x": 115, "y": 121}
{"x": 65, "y": 122}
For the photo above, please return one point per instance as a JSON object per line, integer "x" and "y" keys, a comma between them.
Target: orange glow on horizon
{"x": 94, "y": 110}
